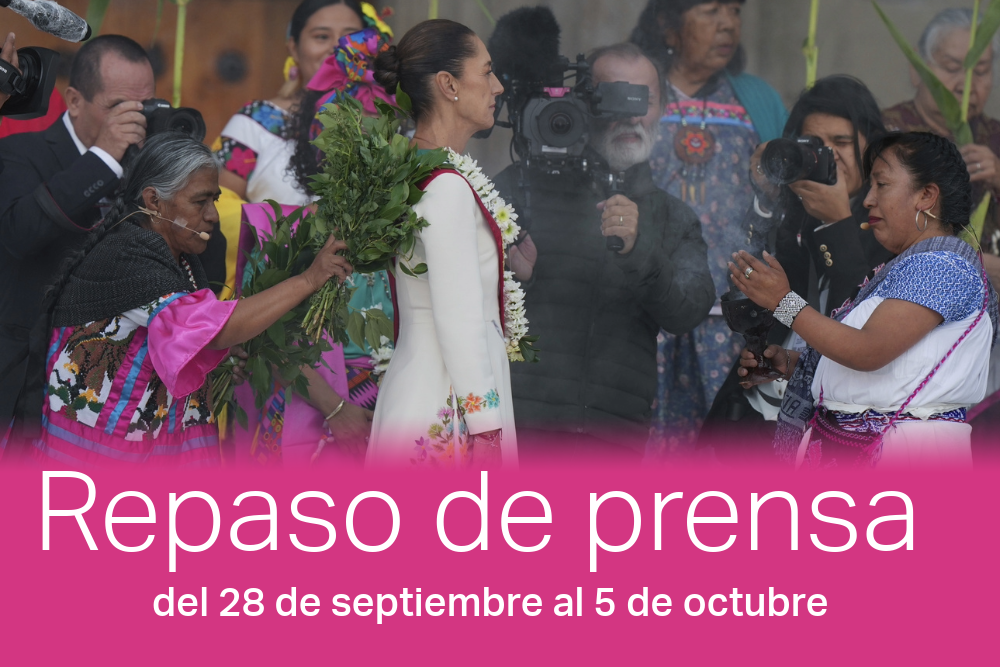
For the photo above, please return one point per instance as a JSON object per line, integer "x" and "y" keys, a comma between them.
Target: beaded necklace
{"x": 190, "y": 273}
{"x": 695, "y": 147}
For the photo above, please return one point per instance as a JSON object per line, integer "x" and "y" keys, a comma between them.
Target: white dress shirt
{"x": 99, "y": 152}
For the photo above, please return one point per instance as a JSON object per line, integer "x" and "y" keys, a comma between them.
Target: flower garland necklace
{"x": 515, "y": 319}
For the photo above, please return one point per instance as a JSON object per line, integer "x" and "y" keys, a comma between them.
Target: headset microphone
{"x": 204, "y": 236}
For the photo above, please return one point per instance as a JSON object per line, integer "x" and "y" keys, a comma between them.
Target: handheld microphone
{"x": 204, "y": 236}
{"x": 51, "y": 17}
{"x": 616, "y": 186}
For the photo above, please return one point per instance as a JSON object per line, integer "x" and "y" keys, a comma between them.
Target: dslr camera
{"x": 161, "y": 117}
{"x": 30, "y": 88}
{"x": 803, "y": 159}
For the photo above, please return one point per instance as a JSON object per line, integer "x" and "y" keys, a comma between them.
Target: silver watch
{"x": 788, "y": 308}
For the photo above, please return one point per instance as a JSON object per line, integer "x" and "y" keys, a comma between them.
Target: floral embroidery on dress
{"x": 81, "y": 380}
{"x": 89, "y": 359}
{"x": 235, "y": 157}
{"x": 239, "y": 158}
{"x": 438, "y": 448}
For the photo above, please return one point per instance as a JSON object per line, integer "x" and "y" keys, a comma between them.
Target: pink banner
{"x": 648, "y": 566}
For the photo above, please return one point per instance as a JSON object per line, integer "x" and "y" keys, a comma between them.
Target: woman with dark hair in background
{"x": 888, "y": 379}
{"x": 255, "y": 147}
{"x": 715, "y": 118}
{"x": 134, "y": 329}
{"x": 333, "y": 43}
{"x": 820, "y": 242}
{"x": 445, "y": 400}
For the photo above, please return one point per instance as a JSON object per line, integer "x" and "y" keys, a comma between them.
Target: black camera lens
{"x": 33, "y": 86}
{"x": 782, "y": 161}
{"x": 561, "y": 124}
{"x": 184, "y": 121}
{"x": 804, "y": 159}
{"x": 161, "y": 117}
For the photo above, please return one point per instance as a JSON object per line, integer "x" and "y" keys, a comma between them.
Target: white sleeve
{"x": 112, "y": 163}
{"x": 456, "y": 291}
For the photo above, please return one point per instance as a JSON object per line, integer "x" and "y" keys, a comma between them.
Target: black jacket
{"x": 49, "y": 200}
{"x": 840, "y": 256}
{"x": 598, "y": 313}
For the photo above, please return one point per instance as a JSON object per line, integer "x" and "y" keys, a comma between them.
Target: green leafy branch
{"x": 955, "y": 111}
{"x": 809, "y": 49}
{"x": 277, "y": 355}
{"x": 367, "y": 187}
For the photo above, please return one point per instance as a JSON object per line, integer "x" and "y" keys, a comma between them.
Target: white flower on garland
{"x": 515, "y": 318}
{"x": 382, "y": 356}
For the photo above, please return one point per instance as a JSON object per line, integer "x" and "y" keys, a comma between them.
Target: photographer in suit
{"x": 55, "y": 182}
{"x": 821, "y": 241}
{"x": 597, "y": 312}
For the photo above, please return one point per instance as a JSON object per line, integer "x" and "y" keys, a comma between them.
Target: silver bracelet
{"x": 788, "y": 308}
{"x": 336, "y": 410}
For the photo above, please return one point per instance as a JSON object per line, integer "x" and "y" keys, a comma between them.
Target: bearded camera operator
{"x": 822, "y": 241}
{"x": 597, "y": 311}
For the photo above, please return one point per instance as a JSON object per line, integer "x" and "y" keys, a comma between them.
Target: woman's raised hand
{"x": 328, "y": 264}
{"x": 765, "y": 284}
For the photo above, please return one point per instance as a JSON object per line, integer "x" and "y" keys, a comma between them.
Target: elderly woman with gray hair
{"x": 943, "y": 46}
{"x": 134, "y": 330}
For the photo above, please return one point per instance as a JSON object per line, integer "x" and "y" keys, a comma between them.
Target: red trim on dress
{"x": 497, "y": 236}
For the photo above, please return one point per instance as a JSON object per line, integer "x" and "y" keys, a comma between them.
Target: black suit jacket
{"x": 49, "y": 199}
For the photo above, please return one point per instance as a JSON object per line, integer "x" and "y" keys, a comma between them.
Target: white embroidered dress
{"x": 450, "y": 351}
{"x": 947, "y": 284}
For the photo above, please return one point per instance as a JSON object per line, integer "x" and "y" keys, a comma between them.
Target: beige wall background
{"x": 852, "y": 40}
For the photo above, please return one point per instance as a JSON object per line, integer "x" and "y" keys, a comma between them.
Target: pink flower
{"x": 242, "y": 163}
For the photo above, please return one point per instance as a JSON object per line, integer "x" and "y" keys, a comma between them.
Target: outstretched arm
{"x": 256, "y": 313}
{"x": 894, "y": 327}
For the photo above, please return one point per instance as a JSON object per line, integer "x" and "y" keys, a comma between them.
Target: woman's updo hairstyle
{"x": 930, "y": 158}
{"x": 433, "y": 46}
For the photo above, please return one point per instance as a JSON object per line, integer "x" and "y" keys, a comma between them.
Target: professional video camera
{"x": 551, "y": 119}
{"x": 804, "y": 159}
{"x": 30, "y": 88}
{"x": 161, "y": 117}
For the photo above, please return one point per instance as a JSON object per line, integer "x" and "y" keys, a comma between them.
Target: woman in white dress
{"x": 445, "y": 400}
{"x": 892, "y": 373}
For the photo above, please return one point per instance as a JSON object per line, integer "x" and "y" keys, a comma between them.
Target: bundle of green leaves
{"x": 367, "y": 189}
{"x": 278, "y": 354}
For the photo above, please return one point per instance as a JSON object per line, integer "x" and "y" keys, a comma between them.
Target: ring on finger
{"x": 979, "y": 166}
{"x": 748, "y": 272}
{"x": 621, "y": 219}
